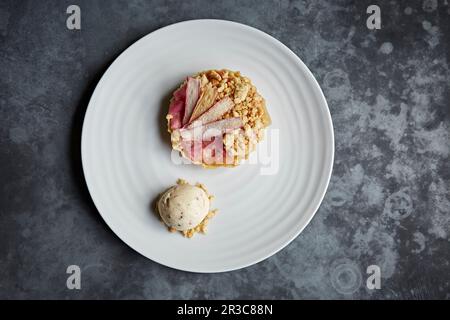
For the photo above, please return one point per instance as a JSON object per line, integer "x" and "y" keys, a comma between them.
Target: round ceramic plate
{"x": 263, "y": 204}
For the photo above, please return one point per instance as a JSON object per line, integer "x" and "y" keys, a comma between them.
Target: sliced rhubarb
{"x": 214, "y": 113}
{"x": 213, "y": 153}
{"x": 205, "y": 101}
{"x": 212, "y": 129}
{"x": 204, "y": 152}
{"x": 176, "y": 108}
{"x": 193, "y": 150}
{"x": 180, "y": 94}
{"x": 192, "y": 95}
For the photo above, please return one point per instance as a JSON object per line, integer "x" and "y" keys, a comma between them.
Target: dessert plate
{"x": 263, "y": 204}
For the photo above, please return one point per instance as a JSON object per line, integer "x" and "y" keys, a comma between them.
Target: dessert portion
{"x": 216, "y": 118}
{"x": 186, "y": 208}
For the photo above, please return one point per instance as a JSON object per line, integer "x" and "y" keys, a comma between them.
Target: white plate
{"x": 127, "y": 157}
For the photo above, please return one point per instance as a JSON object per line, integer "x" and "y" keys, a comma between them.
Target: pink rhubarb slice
{"x": 214, "y": 113}
{"x": 192, "y": 150}
{"x": 212, "y": 129}
{"x": 176, "y": 108}
{"x": 214, "y": 152}
{"x": 209, "y": 152}
{"x": 192, "y": 95}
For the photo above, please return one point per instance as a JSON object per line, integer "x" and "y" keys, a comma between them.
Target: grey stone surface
{"x": 388, "y": 202}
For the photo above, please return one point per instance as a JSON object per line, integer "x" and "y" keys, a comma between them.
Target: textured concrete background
{"x": 389, "y": 198}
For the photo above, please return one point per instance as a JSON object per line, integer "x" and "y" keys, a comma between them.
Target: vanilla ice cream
{"x": 183, "y": 207}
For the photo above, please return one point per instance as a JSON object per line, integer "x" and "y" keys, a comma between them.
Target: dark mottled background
{"x": 389, "y": 198}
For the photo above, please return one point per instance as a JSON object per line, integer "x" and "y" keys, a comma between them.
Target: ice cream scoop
{"x": 183, "y": 207}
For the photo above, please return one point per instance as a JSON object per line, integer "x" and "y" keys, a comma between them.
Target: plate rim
{"x": 321, "y": 96}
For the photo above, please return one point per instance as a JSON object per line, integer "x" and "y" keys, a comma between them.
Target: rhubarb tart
{"x": 216, "y": 118}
